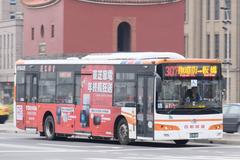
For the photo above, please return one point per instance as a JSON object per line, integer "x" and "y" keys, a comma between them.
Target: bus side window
{"x": 20, "y": 81}
{"x": 46, "y": 87}
{"x": 65, "y": 87}
{"x": 125, "y": 90}
{"x": 77, "y": 89}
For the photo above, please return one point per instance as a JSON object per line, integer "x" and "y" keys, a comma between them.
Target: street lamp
{"x": 226, "y": 28}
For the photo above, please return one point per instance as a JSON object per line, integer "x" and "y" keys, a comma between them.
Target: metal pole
{"x": 228, "y": 65}
{"x": 226, "y": 27}
{"x": 228, "y": 55}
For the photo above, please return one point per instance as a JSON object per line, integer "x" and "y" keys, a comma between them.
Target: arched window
{"x": 42, "y": 31}
{"x": 124, "y": 37}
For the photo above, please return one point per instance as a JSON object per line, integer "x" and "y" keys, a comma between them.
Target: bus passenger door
{"x": 82, "y": 110}
{"x": 145, "y": 102}
{"x": 31, "y": 100}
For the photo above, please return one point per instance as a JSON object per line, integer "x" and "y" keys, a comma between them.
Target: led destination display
{"x": 191, "y": 70}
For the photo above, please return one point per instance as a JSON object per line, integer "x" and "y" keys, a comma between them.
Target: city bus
{"x": 121, "y": 96}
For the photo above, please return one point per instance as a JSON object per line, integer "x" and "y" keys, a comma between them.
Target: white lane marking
{"x": 45, "y": 151}
{"x": 181, "y": 158}
{"x": 73, "y": 146}
{"x": 121, "y": 149}
{"x": 168, "y": 157}
{"x": 104, "y": 159}
{"x": 127, "y": 150}
{"x": 185, "y": 148}
{"x": 212, "y": 147}
{"x": 22, "y": 146}
{"x": 27, "y": 147}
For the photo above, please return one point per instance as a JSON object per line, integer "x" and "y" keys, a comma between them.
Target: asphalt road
{"x": 32, "y": 147}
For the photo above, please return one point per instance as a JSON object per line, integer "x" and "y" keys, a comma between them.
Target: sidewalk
{"x": 8, "y": 127}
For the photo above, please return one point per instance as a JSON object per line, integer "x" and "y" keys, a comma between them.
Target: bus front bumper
{"x": 176, "y": 135}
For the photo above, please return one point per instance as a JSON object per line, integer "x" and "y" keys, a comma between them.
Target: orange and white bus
{"x": 124, "y": 96}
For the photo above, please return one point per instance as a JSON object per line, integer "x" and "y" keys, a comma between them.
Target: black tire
{"x": 3, "y": 119}
{"x": 61, "y": 138}
{"x": 181, "y": 142}
{"x": 49, "y": 128}
{"x": 230, "y": 132}
{"x": 42, "y": 134}
{"x": 123, "y": 132}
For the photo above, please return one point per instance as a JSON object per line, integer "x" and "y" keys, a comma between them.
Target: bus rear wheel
{"x": 123, "y": 132}
{"x": 49, "y": 128}
{"x": 181, "y": 142}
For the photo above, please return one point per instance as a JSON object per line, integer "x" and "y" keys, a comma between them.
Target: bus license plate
{"x": 193, "y": 135}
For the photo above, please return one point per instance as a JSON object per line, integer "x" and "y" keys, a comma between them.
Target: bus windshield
{"x": 189, "y": 96}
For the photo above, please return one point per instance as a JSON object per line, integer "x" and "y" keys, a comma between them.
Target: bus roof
{"x": 122, "y": 58}
{"x": 135, "y": 56}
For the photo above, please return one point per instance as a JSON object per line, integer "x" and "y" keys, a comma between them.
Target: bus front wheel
{"x": 123, "y": 132}
{"x": 181, "y": 142}
{"x": 49, "y": 128}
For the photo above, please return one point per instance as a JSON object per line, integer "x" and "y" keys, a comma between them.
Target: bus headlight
{"x": 163, "y": 127}
{"x": 216, "y": 127}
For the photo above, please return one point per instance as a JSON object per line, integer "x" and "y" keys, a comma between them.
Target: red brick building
{"x": 69, "y": 27}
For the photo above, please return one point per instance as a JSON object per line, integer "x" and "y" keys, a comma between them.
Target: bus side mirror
{"x": 158, "y": 84}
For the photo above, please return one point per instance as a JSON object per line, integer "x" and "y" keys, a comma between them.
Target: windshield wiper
{"x": 217, "y": 110}
{"x": 206, "y": 109}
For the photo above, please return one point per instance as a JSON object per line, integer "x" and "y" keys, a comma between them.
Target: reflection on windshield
{"x": 176, "y": 96}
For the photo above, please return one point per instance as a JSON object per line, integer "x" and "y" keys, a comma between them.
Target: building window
{"x": 230, "y": 84}
{"x": 225, "y": 45}
{"x": 124, "y": 37}
{"x": 216, "y": 44}
{"x": 11, "y": 50}
{"x": 4, "y": 51}
{"x": 42, "y": 31}
{"x": 32, "y": 34}
{"x": 217, "y": 10}
{"x": 8, "y": 41}
{"x": 12, "y": 2}
{"x": 227, "y": 14}
{"x": 186, "y": 11}
{"x": 186, "y": 45}
{"x": 12, "y": 41}
{"x": 52, "y": 31}
{"x": 4, "y": 42}
{"x": 8, "y": 46}
{"x": 208, "y": 9}
{"x": 0, "y": 41}
{"x": 8, "y": 60}
{"x": 1, "y": 52}
{"x": 12, "y": 15}
{"x": 208, "y": 46}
